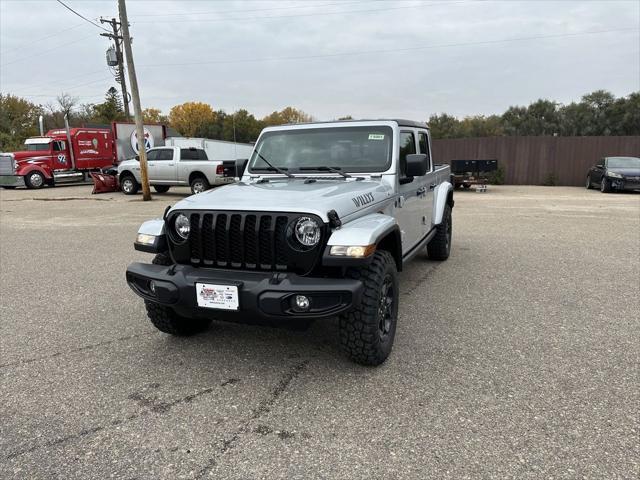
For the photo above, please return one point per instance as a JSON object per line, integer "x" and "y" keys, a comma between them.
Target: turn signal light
{"x": 354, "y": 251}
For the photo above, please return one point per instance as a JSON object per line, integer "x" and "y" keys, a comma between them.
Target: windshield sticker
{"x": 376, "y": 136}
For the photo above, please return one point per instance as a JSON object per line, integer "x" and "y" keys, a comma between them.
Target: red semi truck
{"x": 69, "y": 155}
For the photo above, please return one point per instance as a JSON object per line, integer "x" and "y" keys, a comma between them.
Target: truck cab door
{"x": 163, "y": 168}
{"x": 61, "y": 158}
{"x": 409, "y": 209}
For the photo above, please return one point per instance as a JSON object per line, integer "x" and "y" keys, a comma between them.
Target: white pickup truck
{"x": 173, "y": 166}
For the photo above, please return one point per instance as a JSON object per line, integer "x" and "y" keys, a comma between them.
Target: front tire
{"x": 439, "y": 247}
{"x": 165, "y": 319}
{"x": 129, "y": 185}
{"x": 168, "y": 321}
{"x": 199, "y": 185}
{"x": 588, "y": 185}
{"x": 161, "y": 188}
{"x": 367, "y": 332}
{"x": 34, "y": 180}
{"x": 605, "y": 185}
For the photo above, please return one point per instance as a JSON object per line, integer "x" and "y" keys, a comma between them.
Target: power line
{"x": 42, "y": 52}
{"x": 80, "y": 15}
{"x": 4, "y": 52}
{"x": 224, "y": 12}
{"x": 315, "y": 14}
{"x": 391, "y": 50}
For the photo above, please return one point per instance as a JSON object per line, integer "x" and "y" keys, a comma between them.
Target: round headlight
{"x": 307, "y": 231}
{"x": 182, "y": 225}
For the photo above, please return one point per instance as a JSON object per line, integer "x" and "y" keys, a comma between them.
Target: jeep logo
{"x": 362, "y": 200}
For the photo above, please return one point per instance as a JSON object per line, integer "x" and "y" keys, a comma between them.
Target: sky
{"x": 330, "y": 58}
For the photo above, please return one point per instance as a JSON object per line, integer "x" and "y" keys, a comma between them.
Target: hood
{"x": 627, "y": 172}
{"x": 26, "y": 155}
{"x": 285, "y": 195}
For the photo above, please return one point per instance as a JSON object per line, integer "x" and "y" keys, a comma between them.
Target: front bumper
{"x": 261, "y": 294}
{"x": 625, "y": 183}
{"x": 11, "y": 181}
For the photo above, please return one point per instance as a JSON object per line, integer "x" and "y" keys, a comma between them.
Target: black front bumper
{"x": 261, "y": 294}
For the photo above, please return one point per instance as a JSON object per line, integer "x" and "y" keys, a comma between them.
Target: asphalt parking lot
{"x": 516, "y": 358}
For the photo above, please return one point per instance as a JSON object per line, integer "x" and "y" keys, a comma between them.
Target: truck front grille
{"x": 243, "y": 240}
{"x": 6, "y": 165}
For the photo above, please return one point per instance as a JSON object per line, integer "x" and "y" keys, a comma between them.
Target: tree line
{"x": 597, "y": 113}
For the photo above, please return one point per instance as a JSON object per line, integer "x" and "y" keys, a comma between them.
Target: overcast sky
{"x": 330, "y": 58}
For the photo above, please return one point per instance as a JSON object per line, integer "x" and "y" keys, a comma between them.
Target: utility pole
{"x": 117, "y": 39}
{"x": 135, "y": 96}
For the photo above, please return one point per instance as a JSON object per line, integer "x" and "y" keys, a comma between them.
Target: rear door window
{"x": 192, "y": 154}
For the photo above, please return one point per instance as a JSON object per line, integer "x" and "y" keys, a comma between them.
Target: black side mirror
{"x": 138, "y": 157}
{"x": 416, "y": 164}
{"x": 241, "y": 166}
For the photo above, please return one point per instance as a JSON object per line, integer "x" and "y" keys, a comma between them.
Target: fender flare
{"x": 372, "y": 229}
{"x": 442, "y": 197}
{"x": 27, "y": 169}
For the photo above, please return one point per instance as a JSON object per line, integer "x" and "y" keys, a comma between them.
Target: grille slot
{"x": 246, "y": 240}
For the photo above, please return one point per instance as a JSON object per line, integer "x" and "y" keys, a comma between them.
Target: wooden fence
{"x": 537, "y": 160}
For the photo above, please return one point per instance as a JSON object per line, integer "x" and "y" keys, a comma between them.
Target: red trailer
{"x": 71, "y": 155}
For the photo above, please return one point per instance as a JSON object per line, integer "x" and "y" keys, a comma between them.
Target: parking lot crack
{"x": 73, "y": 350}
{"x": 263, "y": 408}
{"x": 152, "y": 406}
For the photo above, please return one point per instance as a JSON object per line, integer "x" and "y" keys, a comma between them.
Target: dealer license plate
{"x": 221, "y": 297}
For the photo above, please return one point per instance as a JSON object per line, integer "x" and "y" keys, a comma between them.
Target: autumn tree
{"x": 153, "y": 115}
{"x": 287, "y": 115}
{"x": 191, "y": 119}
{"x": 241, "y": 127}
{"x": 18, "y": 120}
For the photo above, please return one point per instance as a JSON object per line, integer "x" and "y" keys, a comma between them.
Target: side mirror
{"x": 138, "y": 157}
{"x": 416, "y": 165}
{"x": 241, "y": 166}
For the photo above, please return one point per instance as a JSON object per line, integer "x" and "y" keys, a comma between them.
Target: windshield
{"x": 350, "y": 149}
{"x": 37, "y": 147}
{"x": 623, "y": 162}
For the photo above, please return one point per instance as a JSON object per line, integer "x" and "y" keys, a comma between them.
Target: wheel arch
{"x": 443, "y": 197}
{"x": 195, "y": 174}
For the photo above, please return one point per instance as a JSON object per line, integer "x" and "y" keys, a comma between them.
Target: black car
{"x": 615, "y": 173}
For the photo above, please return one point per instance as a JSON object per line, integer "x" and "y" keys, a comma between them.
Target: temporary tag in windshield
{"x": 376, "y": 136}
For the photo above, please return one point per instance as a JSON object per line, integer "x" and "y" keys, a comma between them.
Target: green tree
{"x": 444, "y": 126}
{"x": 18, "y": 120}
{"x": 241, "y": 127}
{"x": 111, "y": 109}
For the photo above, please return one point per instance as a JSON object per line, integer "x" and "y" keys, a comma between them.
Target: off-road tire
{"x": 605, "y": 185}
{"x": 588, "y": 185}
{"x": 161, "y": 188}
{"x": 32, "y": 182}
{"x": 199, "y": 180}
{"x": 439, "y": 247}
{"x": 360, "y": 331}
{"x": 165, "y": 319}
{"x": 168, "y": 321}
{"x": 135, "y": 186}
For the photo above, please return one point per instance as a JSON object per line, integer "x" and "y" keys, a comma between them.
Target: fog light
{"x": 152, "y": 287}
{"x": 302, "y": 302}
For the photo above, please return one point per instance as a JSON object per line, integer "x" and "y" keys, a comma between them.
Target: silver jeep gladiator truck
{"x": 324, "y": 217}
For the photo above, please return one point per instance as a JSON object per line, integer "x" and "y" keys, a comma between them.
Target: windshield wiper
{"x": 272, "y": 167}
{"x": 327, "y": 169}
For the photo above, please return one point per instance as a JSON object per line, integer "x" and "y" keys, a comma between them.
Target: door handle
{"x": 432, "y": 186}
{"x": 170, "y": 164}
